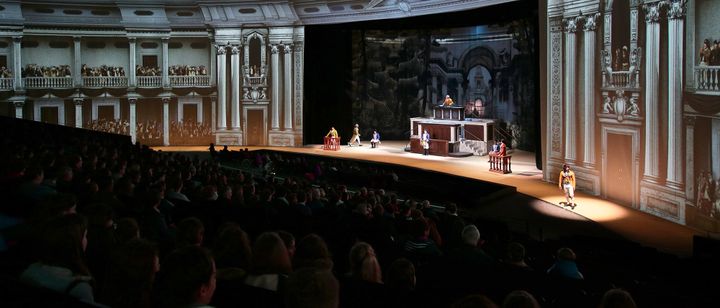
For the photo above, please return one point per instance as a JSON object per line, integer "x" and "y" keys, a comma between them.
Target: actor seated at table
{"x": 448, "y": 101}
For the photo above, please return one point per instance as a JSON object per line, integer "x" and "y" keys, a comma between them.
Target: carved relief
{"x": 590, "y": 22}
{"x": 274, "y": 48}
{"x": 570, "y": 25}
{"x": 652, "y": 11}
{"x": 298, "y": 84}
{"x": 556, "y": 93}
{"x": 221, "y": 49}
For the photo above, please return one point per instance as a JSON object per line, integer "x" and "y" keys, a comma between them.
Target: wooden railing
{"x": 6, "y": 83}
{"x": 501, "y": 164}
{"x": 149, "y": 81}
{"x": 707, "y": 78}
{"x": 190, "y": 81}
{"x": 48, "y": 82}
{"x": 105, "y": 81}
{"x": 331, "y": 143}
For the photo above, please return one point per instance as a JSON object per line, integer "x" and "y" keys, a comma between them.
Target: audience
{"x": 186, "y": 279}
{"x": 312, "y": 287}
{"x": 33, "y": 70}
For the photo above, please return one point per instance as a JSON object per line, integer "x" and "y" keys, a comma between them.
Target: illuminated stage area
{"x": 543, "y": 209}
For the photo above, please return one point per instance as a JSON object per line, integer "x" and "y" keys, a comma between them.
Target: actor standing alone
{"x": 566, "y": 182}
{"x": 355, "y": 136}
{"x": 425, "y": 142}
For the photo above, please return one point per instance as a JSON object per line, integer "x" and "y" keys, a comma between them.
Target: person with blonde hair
{"x": 363, "y": 263}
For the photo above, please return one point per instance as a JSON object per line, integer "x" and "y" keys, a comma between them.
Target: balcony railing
{"x": 105, "y": 81}
{"x": 254, "y": 81}
{"x": 6, "y": 83}
{"x": 707, "y": 78}
{"x": 149, "y": 81}
{"x": 48, "y": 82}
{"x": 190, "y": 81}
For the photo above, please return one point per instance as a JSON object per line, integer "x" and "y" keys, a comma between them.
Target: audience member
{"x": 617, "y": 298}
{"x": 131, "y": 275}
{"x": 520, "y": 299}
{"x": 565, "y": 266}
{"x": 186, "y": 279}
{"x": 312, "y": 287}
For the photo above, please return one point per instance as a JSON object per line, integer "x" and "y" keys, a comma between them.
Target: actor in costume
{"x": 566, "y": 182}
{"x": 425, "y": 142}
{"x": 333, "y": 134}
{"x": 375, "y": 139}
{"x": 355, "y": 136}
{"x": 448, "y": 101}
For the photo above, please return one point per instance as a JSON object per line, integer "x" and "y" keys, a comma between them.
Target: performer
{"x": 503, "y": 148}
{"x": 375, "y": 139}
{"x": 425, "y": 141}
{"x": 355, "y": 136}
{"x": 448, "y": 101}
{"x": 566, "y": 182}
{"x": 333, "y": 134}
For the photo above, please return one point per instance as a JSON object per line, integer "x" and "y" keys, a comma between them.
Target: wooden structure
{"x": 331, "y": 143}
{"x": 447, "y": 134}
{"x": 501, "y": 163}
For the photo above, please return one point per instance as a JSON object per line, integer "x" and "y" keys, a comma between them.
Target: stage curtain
{"x": 705, "y": 104}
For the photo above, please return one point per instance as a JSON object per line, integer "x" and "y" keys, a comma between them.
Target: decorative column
{"x": 19, "y": 109}
{"x": 78, "y": 112}
{"x": 133, "y": 119}
{"x": 17, "y": 65}
{"x": 652, "y": 76}
{"x": 570, "y": 116}
{"x": 299, "y": 68}
{"x": 434, "y": 91}
{"x": 287, "y": 86}
{"x": 165, "y": 63}
{"x": 275, "y": 102}
{"x": 213, "y": 66}
{"x": 132, "y": 44}
{"x": 589, "y": 90}
{"x": 690, "y": 158}
{"x": 235, "y": 82}
{"x": 221, "y": 88}
{"x": 166, "y": 121}
{"x": 77, "y": 62}
{"x": 554, "y": 121}
{"x": 676, "y": 15}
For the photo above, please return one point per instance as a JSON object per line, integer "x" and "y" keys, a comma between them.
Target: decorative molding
{"x": 676, "y": 9}
{"x": 556, "y": 93}
{"x": 220, "y": 49}
{"x": 234, "y": 49}
{"x": 274, "y": 48}
{"x": 652, "y": 11}
{"x": 570, "y": 25}
{"x": 591, "y": 22}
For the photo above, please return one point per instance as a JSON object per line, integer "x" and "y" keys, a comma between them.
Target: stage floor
{"x": 629, "y": 223}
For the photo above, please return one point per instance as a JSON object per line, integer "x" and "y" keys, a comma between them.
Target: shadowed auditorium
{"x": 359, "y": 153}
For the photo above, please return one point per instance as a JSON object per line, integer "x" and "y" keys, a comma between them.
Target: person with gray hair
{"x": 471, "y": 235}
{"x": 469, "y": 260}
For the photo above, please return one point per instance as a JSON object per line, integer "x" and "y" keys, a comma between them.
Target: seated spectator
{"x": 131, "y": 275}
{"x": 270, "y": 262}
{"x": 312, "y": 252}
{"x": 363, "y": 285}
{"x": 126, "y": 230}
{"x": 232, "y": 248}
{"x": 401, "y": 275}
{"x": 190, "y": 232}
{"x": 474, "y": 301}
{"x": 420, "y": 248}
{"x": 520, "y": 299}
{"x": 186, "y": 278}
{"x": 312, "y": 287}
{"x": 565, "y": 266}
{"x": 451, "y": 226}
{"x": 289, "y": 241}
{"x": 617, "y": 298}
{"x": 61, "y": 266}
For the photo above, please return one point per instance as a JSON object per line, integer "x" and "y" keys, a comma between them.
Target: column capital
{"x": 132, "y": 39}
{"x": 77, "y": 38}
{"x": 17, "y": 39}
{"x": 689, "y": 120}
{"x": 570, "y": 25}
{"x": 676, "y": 9}
{"x": 18, "y": 103}
{"x": 132, "y": 100}
{"x": 274, "y": 48}
{"x": 165, "y": 100}
{"x": 288, "y": 48}
{"x": 78, "y": 101}
{"x": 221, "y": 49}
{"x": 591, "y": 22}
{"x": 165, "y": 39}
{"x": 234, "y": 49}
{"x": 652, "y": 11}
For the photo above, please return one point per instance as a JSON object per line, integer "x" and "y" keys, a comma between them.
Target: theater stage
{"x": 631, "y": 224}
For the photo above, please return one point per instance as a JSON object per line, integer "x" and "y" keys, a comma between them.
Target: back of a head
{"x": 312, "y": 251}
{"x": 183, "y": 273}
{"x": 232, "y": 247}
{"x": 470, "y": 235}
{"x": 270, "y": 255}
{"x": 190, "y": 231}
{"x": 363, "y": 263}
{"x": 520, "y": 299}
{"x": 451, "y": 208}
{"x": 617, "y": 298}
{"x": 515, "y": 252}
{"x": 127, "y": 229}
{"x": 566, "y": 254}
{"x": 62, "y": 243}
{"x": 474, "y": 301}
{"x": 401, "y": 275}
{"x": 312, "y": 288}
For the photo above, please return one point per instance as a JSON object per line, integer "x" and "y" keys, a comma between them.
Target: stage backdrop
{"x": 380, "y": 74}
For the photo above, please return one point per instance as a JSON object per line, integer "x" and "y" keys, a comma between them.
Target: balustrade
{"x": 149, "y": 81}
{"x": 190, "y": 81}
{"x": 6, "y": 83}
{"x": 105, "y": 81}
{"x": 48, "y": 82}
{"x": 707, "y": 78}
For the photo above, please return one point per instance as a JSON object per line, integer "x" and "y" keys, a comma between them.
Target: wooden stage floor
{"x": 629, "y": 223}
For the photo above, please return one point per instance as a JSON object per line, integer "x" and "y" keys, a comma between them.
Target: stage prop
{"x": 451, "y": 134}
{"x": 331, "y": 143}
{"x": 501, "y": 163}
